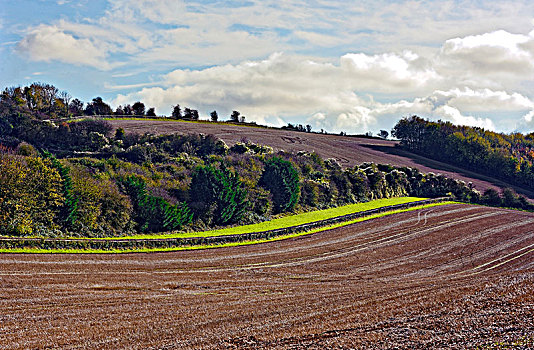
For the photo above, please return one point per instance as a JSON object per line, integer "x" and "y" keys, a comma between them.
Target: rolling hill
{"x": 348, "y": 151}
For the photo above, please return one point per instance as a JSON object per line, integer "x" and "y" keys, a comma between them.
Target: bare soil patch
{"x": 348, "y": 151}
{"x": 454, "y": 276}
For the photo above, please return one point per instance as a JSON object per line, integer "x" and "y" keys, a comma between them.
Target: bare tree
{"x": 66, "y": 98}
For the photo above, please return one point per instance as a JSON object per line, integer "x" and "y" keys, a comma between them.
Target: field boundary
{"x": 8, "y": 243}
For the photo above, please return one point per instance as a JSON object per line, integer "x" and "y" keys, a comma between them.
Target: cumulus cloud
{"x": 491, "y": 53}
{"x": 329, "y": 96}
{"x": 483, "y": 100}
{"x": 527, "y": 123}
{"x": 46, "y": 43}
{"x": 389, "y": 72}
{"x": 348, "y": 67}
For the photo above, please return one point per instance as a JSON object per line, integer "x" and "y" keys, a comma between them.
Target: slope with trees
{"x": 508, "y": 157}
{"x": 79, "y": 178}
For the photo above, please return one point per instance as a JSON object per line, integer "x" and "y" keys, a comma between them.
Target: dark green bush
{"x": 281, "y": 178}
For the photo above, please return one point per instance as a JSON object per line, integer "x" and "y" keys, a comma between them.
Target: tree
{"x": 138, "y": 108}
{"x": 65, "y": 98}
{"x": 281, "y": 178}
{"x": 119, "y": 110}
{"x": 218, "y": 194}
{"x": 119, "y": 134}
{"x": 491, "y": 197}
{"x": 152, "y": 213}
{"x": 188, "y": 114}
{"x": 214, "y": 116}
{"x": 31, "y": 195}
{"x": 383, "y": 134}
{"x": 151, "y": 112}
{"x": 50, "y": 94}
{"x": 308, "y": 128}
{"x": 177, "y": 112}
{"x": 235, "y": 116}
{"x": 510, "y": 198}
{"x": 98, "y": 107}
{"x": 70, "y": 207}
{"x": 128, "y": 110}
{"x": 76, "y": 107}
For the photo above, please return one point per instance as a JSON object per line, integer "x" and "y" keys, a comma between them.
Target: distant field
{"x": 451, "y": 276}
{"x": 348, "y": 151}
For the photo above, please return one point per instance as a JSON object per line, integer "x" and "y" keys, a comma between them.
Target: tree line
{"x": 45, "y": 101}
{"x": 509, "y": 157}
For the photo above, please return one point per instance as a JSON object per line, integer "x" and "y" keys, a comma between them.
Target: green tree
{"x": 70, "y": 208}
{"x": 217, "y": 194}
{"x": 281, "y": 178}
{"x": 152, "y": 213}
{"x": 31, "y": 195}
{"x": 214, "y": 116}
{"x": 98, "y": 107}
{"x": 151, "y": 112}
{"x": 234, "y": 117}
{"x": 177, "y": 112}
{"x": 138, "y": 108}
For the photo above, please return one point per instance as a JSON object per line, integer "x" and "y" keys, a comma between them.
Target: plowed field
{"x": 454, "y": 276}
{"x": 349, "y": 151}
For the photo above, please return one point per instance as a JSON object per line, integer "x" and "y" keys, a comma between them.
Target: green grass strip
{"x": 232, "y": 244}
{"x": 287, "y": 221}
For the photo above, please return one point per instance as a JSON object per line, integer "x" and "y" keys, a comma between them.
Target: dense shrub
{"x": 153, "y": 213}
{"x": 31, "y": 195}
{"x": 217, "y": 195}
{"x": 102, "y": 210}
{"x": 509, "y": 157}
{"x": 281, "y": 178}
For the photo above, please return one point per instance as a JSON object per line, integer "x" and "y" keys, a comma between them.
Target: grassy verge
{"x": 231, "y": 244}
{"x": 287, "y": 221}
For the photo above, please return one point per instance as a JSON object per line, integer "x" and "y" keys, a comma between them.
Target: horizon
{"x": 340, "y": 67}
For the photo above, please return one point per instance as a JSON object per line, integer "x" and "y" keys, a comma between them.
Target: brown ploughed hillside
{"x": 349, "y": 151}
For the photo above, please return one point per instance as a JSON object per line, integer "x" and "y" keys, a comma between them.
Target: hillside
{"x": 349, "y": 151}
{"x": 454, "y": 276}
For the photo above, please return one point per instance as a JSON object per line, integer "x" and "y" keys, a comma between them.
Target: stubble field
{"x": 454, "y": 276}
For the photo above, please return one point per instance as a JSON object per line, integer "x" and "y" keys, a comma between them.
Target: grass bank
{"x": 223, "y": 245}
{"x": 286, "y": 221}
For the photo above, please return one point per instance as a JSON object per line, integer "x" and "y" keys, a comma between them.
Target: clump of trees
{"x": 507, "y": 157}
{"x": 298, "y": 127}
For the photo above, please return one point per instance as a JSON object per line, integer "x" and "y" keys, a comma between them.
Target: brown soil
{"x": 455, "y": 276}
{"x": 349, "y": 151}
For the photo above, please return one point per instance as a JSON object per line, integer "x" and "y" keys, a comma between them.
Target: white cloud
{"x": 483, "y": 100}
{"x": 348, "y": 66}
{"x": 455, "y": 116}
{"x": 46, "y": 43}
{"x": 389, "y": 72}
{"x": 491, "y": 53}
{"x": 326, "y": 95}
{"x": 527, "y": 123}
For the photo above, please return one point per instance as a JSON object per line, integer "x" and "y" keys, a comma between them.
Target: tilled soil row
{"x": 390, "y": 283}
{"x": 131, "y": 244}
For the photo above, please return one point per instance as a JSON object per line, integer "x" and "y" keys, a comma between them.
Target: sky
{"x": 352, "y": 66}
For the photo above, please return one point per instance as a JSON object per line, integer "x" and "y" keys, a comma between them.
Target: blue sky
{"x": 351, "y": 66}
